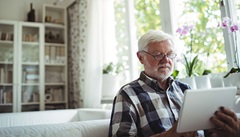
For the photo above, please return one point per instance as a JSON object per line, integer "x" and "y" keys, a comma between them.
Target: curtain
{"x": 93, "y": 73}
{"x": 91, "y": 30}
{"x": 75, "y": 57}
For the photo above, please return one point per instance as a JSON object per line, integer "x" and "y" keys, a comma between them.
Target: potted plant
{"x": 233, "y": 27}
{"x": 190, "y": 65}
{"x": 188, "y": 62}
{"x": 112, "y": 68}
{"x": 196, "y": 75}
{"x": 232, "y": 78}
{"x": 110, "y": 79}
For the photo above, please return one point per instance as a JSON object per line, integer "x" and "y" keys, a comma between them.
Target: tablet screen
{"x": 200, "y": 104}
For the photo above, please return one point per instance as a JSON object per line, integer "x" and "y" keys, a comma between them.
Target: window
{"x": 206, "y": 38}
{"x": 231, "y": 9}
{"x": 134, "y": 17}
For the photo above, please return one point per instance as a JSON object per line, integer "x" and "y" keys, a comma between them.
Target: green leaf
{"x": 206, "y": 72}
{"x": 233, "y": 70}
{"x": 175, "y": 74}
{"x": 192, "y": 64}
{"x": 187, "y": 66}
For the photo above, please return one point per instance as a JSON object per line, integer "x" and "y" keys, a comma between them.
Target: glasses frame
{"x": 161, "y": 55}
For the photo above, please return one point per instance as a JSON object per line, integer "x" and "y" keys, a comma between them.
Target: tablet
{"x": 200, "y": 104}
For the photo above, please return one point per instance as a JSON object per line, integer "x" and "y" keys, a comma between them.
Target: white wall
{"x": 18, "y": 9}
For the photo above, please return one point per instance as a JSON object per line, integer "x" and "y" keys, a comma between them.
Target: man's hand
{"x": 227, "y": 123}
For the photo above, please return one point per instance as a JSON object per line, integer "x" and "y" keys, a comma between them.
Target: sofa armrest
{"x": 93, "y": 114}
{"x": 91, "y": 128}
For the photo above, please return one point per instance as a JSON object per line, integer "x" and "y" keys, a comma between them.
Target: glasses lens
{"x": 162, "y": 55}
{"x": 171, "y": 56}
{"x": 159, "y": 57}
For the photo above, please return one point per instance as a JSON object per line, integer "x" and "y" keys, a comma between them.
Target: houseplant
{"x": 110, "y": 79}
{"x": 193, "y": 66}
{"x": 233, "y": 29}
{"x": 112, "y": 68}
{"x": 190, "y": 61}
{"x": 232, "y": 78}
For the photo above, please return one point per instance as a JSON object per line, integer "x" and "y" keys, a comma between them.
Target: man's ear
{"x": 140, "y": 57}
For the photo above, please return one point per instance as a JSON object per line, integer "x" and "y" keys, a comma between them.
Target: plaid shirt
{"x": 142, "y": 108}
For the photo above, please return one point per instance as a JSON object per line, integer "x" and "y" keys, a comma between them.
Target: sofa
{"x": 83, "y": 122}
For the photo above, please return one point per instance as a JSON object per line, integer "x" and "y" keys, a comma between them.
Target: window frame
{"x": 227, "y": 8}
{"x": 168, "y": 24}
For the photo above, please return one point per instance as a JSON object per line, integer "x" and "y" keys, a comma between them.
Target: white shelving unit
{"x": 21, "y": 50}
{"x": 30, "y": 66}
{"x": 54, "y": 18}
{"x": 8, "y": 67}
{"x": 33, "y": 63}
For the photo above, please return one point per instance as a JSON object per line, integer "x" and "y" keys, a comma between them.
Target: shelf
{"x": 6, "y": 62}
{"x": 55, "y": 44}
{"x": 30, "y": 103}
{"x": 55, "y": 102}
{"x": 6, "y": 104}
{"x": 30, "y": 63}
{"x": 55, "y": 64}
{"x": 30, "y": 43}
{"x": 55, "y": 25}
{"x": 54, "y": 14}
{"x": 30, "y": 84}
{"x": 55, "y": 84}
{"x": 6, "y": 84}
{"x": 54, "y": 8}
{"x": 6, "y": 42}
{"x": 24, "y": 57}
{"x": 55, "y": 58}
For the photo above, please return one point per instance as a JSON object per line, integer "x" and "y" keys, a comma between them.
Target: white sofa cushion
{"x": 38, "y": 117}
{"x": 52, "y": 116}
{"x": 91, "y": 128}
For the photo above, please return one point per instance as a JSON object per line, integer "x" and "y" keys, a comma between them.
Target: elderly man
{"x": 150, "y": 105}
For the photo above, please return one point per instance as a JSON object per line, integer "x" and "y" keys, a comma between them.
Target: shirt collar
{"x": 153, "y": 83}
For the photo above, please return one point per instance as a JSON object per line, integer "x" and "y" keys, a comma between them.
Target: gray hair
{"x": 153, "y": 36}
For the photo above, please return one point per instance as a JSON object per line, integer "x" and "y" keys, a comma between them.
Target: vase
{"x": 216, "y": 80}
{"x": 233, "y": 80}
{"x": 110, "y": 85}
{"x": 203, "y": 82}
{"x": 190, "y": 81}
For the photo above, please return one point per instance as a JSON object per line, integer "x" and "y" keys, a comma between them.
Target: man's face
{"x": 159, "y": 69}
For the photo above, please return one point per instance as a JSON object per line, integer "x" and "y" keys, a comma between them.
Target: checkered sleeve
{"x": 123, "y": 117}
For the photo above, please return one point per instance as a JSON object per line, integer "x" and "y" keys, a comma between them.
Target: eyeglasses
{"x": 162, "y": 55}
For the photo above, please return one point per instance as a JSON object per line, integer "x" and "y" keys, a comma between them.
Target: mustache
{"x": 165, "y": 65}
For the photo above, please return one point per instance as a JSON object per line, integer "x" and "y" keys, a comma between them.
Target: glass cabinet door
{"x": 31, "y": 48}
{"x": 7, "y": 66}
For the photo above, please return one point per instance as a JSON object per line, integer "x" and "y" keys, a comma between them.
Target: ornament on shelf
{"x": 31, "y": 14}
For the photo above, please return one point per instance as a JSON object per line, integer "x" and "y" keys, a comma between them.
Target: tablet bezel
{"x": 200, "y": 104}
